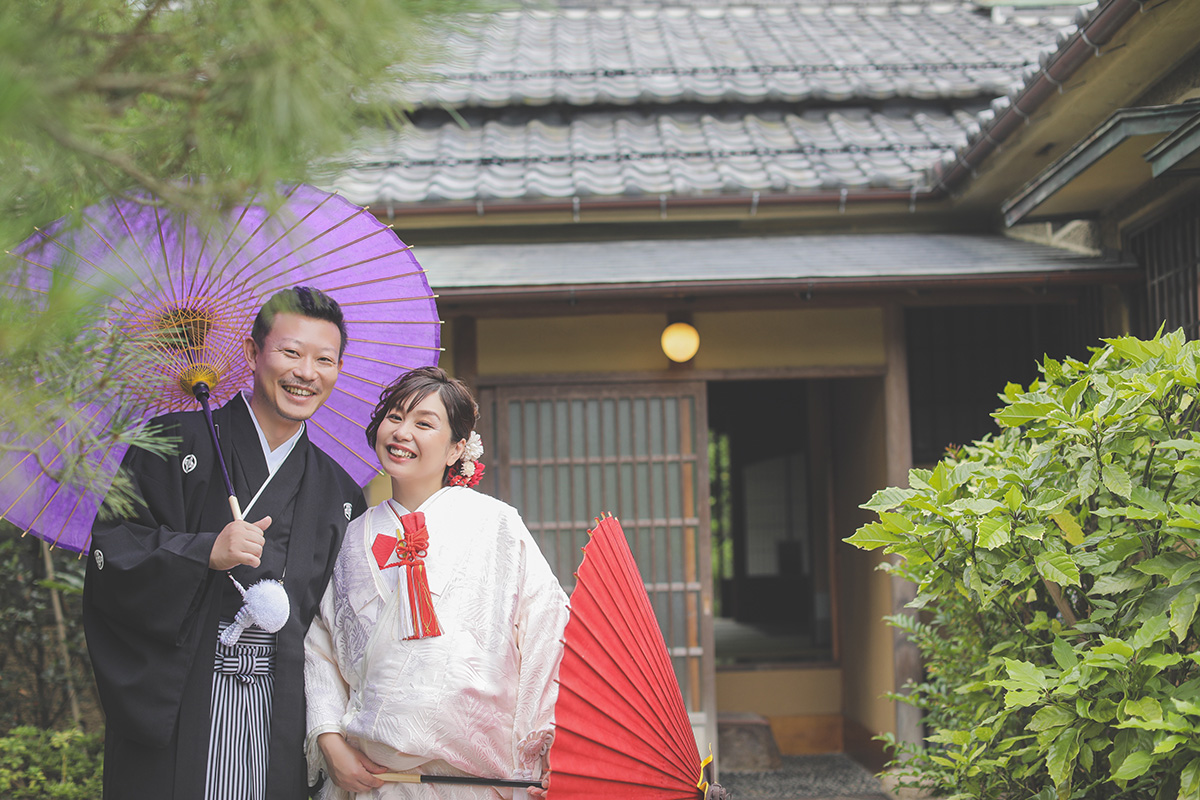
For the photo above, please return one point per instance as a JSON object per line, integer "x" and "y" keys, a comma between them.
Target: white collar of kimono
{"x": 276, "y": 457}
{"x": 401, "y": 510}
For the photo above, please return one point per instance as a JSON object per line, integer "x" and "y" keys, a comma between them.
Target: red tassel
{"x": 421, "y": 600}
{"x": 411, "y": 548}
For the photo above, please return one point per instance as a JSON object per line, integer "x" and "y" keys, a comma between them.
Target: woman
{"x": 437, "y": 643}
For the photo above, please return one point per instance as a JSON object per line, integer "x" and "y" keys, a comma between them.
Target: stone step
{"x": 746, "y": 743}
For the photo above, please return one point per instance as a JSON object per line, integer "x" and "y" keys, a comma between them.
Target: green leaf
{"x": 1021, "y": 698}
{"x": 1013, "y": 498}
{"x": 1134, "y": 766}
{"x": 1025, "y": 675}
{"x": 1088, "y": 479}
{"x": 1035, "y": 532}
{"x": 1162, "y": 660}
{"x": 1114, "y": 646}
{"x": 1182, "y": 611}
{"x": 1060, "y": 759}
{"x": 978, "y": 506}
{"x": 1070, "y": 528}
{"x": 1168, "y": 743}
{"x": 1165, "y": 564}
{"x": 1064, "y": 654}
{"x": 994, "y": 532}
{"x": 1048, "y": 500}
{"x": 896, "y": 522}
{"x": 873, "y": 535}
{"x": 1057, "y": 567}
{"x": 1150, "y": 631}
{"x": 1116, "y": 480}
{"x": 889, "y": 498}
{"x": 1187, "y": 706}
{"x": 1150, "y": 500}
{"x": 1120, "y": 581}
{"x": 1071, "y": 395}
{"x": 1189, "y": 781}
{"x": 1131, "y": 348}
{"x": 1021, "y": 413}
{"x": 1051, "y": 717}
{"x": 1180, "y": 444}
{"x": 1145, "y": 707}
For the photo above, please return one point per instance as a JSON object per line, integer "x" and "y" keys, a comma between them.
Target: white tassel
{"x": 266, "y": 605}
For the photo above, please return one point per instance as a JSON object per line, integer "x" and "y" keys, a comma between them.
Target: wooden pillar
{"x": 466, "y": 353}
{"x": 898, "y": 433}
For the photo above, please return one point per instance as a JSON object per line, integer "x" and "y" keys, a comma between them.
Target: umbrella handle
{"x": 201, "y": 391}
{"x": 406, "y": 777}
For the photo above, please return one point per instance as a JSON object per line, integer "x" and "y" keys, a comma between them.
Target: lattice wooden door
{"x": 563, "y": 454}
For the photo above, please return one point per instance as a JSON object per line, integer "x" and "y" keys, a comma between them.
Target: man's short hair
{"x": 307, "y": 301}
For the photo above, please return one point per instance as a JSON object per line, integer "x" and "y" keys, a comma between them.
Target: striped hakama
{"x": 239, "y": 739}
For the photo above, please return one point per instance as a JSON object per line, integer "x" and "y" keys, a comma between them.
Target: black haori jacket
{"x": 151, "y": 604}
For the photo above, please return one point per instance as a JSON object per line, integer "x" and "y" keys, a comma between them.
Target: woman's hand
{"x": 533, "y": 791}
{"x": 348, "y": 768}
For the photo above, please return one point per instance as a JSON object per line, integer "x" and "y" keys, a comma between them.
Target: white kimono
{"x": 477, "y": 700}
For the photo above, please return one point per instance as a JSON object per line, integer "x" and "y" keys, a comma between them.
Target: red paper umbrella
{"x": 621, "y": 728}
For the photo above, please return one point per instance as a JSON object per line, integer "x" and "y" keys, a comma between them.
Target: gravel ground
{"x": 827, "y": 776}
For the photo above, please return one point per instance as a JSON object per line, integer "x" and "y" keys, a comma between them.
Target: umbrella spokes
{"x": 179, "y": 295}
{"x": 183, "y": 328}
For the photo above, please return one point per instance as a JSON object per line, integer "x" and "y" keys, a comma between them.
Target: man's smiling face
{"x": 294, "y": 372}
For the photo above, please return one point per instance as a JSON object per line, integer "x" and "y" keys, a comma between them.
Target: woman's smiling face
{"x": 414, "y": 448}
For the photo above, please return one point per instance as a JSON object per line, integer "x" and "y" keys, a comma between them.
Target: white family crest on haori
{"x": 189, "y": 462}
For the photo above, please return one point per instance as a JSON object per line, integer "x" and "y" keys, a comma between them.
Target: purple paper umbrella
{"x": 190, "y": 292}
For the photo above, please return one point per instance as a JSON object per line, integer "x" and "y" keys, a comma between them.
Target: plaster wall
{"x": 728, "y": 341}
{"x": 780, "y": 692}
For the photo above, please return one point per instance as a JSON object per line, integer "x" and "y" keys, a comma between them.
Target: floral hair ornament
{"x": 470, "y": 469}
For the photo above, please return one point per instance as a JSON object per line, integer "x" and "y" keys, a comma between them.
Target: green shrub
{"x": 1058, "y": 584}
{"x": 34, "y": 677}
{"x": 38, "y": 764}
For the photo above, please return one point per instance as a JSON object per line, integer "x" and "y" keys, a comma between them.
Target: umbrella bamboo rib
{"x": 58, "y": 453}
{"x": 350, "y": 449}
{"x": 651, "y": 650}
{"x": 620, "y": 570}
{"x": 251, "y": 236}
{"x": 661, "y": 691}
{"x": 397, "y": 344}
{"x": 392, "y": 300}
{"x": 299, "y": 265}
{"x": 296, "y": 224}
{"x": 179, "y": 293}
{"x": 263, "y": 248}
{"x": 617, "y": 699}
{"x": 133, "y": 238}
{"x": 348, "y": 286}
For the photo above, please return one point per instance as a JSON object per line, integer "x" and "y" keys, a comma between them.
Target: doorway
{"x": 770, "y": 492}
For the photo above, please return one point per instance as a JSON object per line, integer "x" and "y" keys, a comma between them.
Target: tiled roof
{"x": 673, "y": 152}
{"x": 1006, "y": 112}
{"x": 689, "y": 100}
{"x": 746, "y": 53}
{"x": 746, "y": 259}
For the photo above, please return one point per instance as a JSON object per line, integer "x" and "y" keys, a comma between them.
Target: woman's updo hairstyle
{"x": 413, "y": 387}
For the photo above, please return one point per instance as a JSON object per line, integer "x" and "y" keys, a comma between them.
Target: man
{"x": 187, "y": 717}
